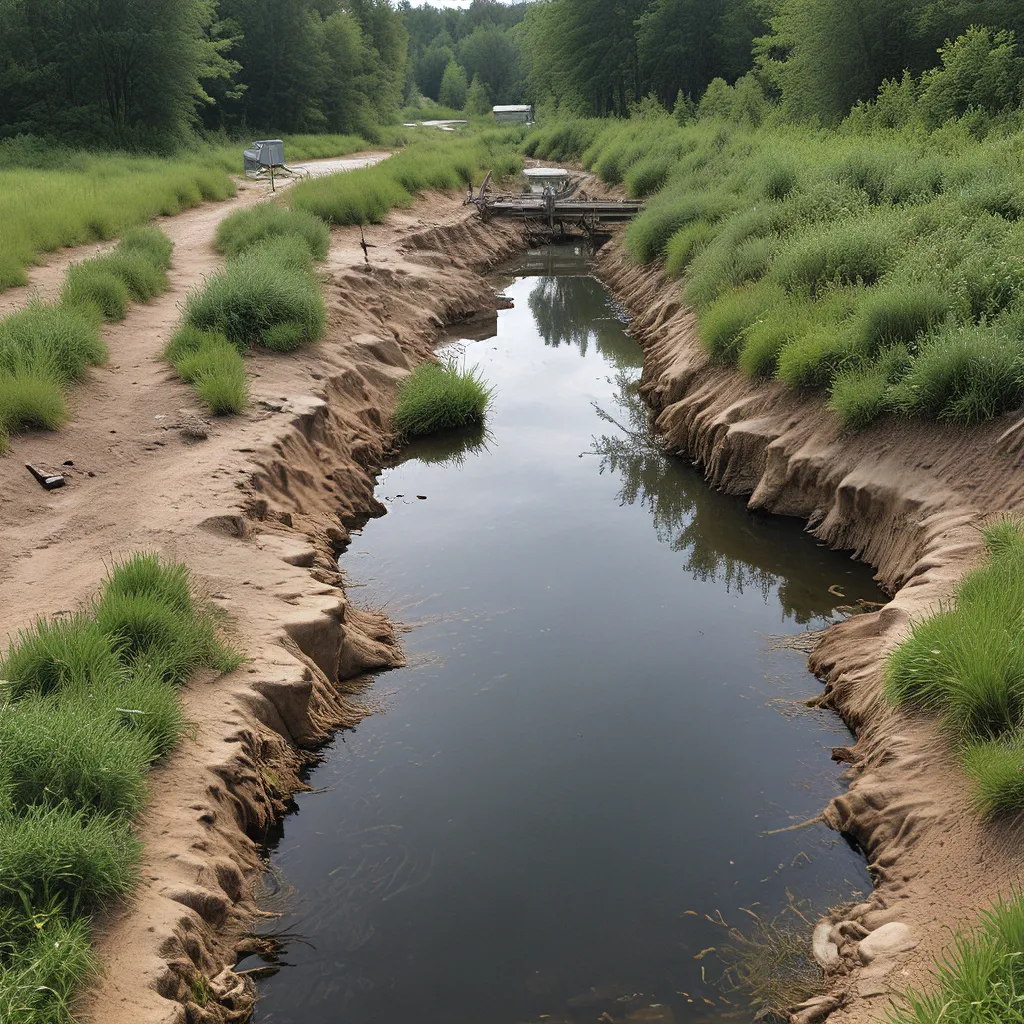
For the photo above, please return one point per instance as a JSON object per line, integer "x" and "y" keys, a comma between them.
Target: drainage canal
{"x": 577, "y": 779}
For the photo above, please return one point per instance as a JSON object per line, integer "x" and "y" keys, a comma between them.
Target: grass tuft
{"x": 242, "y": 230}
{"x": 440, "y": 396}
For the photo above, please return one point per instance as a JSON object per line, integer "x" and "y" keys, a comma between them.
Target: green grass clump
{"x": 846, "y": 254}
{"x": 964, "y": 374}
{"x": 764, "y": 338}
{"x": 648, "y": 234}
{"x": 981, "y": 981}
{"x": 253, "y": 295}
{"x": 440, "y": 396}
{"x": 30, "y": 400}
{"x": 151, "y": 243}
{"x": 246, "y": 228}
{"x": 900, "y": 312}
{"x": 43, "y": 961}
{"x": 684, "y": 245}
{"x": 84, "y": 860}
{"x": 861, "y": 393}
{"x": 88, "y": 703}
{"x": 813, "y": 359}
{"x": 724, "y": 322}
{"x": 58, "y": 338}
{"x": 135, "y": 270}
{"x": 91, "y": 283}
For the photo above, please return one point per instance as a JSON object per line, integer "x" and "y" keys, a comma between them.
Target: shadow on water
{"x": 577, "y": 785}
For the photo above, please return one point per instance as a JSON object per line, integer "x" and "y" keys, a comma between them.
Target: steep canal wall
{"x": 908, "y": 498}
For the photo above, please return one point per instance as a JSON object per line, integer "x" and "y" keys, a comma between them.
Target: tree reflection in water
{"x": 720, "y": 539}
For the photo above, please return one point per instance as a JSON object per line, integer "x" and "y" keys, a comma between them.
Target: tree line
{"x": 142, "y": 74}
{"x": 815, "y": 58}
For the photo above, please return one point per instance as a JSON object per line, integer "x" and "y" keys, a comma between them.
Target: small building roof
{"x": 511, "y": 108}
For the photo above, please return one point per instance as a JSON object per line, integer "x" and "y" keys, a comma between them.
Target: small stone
{"x": 894, "y": 937}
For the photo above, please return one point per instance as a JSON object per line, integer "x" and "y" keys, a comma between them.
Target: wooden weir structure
{"x": 554, "y": 211}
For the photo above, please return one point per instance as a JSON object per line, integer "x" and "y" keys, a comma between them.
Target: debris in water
{"x": 422, "y": 497}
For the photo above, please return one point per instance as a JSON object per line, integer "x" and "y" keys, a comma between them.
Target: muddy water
{"x": 593, "y": 739}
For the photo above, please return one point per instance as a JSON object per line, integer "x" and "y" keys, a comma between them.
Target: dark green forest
{"x": 147, "y": 75}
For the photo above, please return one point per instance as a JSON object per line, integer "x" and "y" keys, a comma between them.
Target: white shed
{"x": 522, "y": 112}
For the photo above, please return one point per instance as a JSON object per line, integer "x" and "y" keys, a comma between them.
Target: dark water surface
{"x": 593, "y": 735}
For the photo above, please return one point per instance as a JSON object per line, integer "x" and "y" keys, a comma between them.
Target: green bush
{"x": 439, "y": 396}
{"x": 246, "y": 228}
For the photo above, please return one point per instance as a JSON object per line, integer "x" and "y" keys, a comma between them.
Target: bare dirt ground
{"x": 907, "y": 497}
{"x": 257, "y": 508}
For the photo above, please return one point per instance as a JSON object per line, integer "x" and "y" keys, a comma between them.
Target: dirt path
{"x": 191, "y": 231}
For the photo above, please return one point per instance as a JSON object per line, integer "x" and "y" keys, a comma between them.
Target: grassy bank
{"x": 966, "y": 665}
{"x": 885, "y": 268}
{"x": 46, "y": 348}
{"x": 442, "y": 162}
{"x": 89, "y": 705}
{"x": 268, "y": 295}
{"x": 51, "y": 198}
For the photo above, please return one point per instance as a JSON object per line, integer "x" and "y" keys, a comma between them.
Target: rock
{"x": 826, "y": 952}
{"x": 194, "y": 428}
{"x": 894, "y": 937}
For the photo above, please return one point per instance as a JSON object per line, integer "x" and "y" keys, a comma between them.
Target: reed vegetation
{"x": 89, "y": 703}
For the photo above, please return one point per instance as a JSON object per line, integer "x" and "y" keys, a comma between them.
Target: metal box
{"x": 262, "y": 156}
